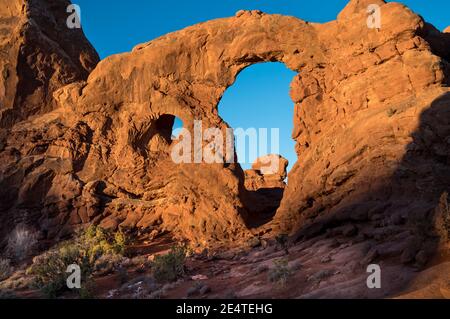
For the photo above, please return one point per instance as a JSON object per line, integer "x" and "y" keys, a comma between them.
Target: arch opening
{"x": 158, "y": 134}
{"x": 260, "y": 110}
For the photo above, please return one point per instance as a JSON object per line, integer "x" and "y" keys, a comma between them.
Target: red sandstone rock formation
{"x": 371, "y": 128}
{"x": 265, "y": 183}
{"x": 267, "y": 172}
{"x": 38, "y": 55}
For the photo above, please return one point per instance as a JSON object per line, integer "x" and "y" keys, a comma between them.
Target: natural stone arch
{"x": 154, "y": 136}
{"x": 189, "y": 70}
{"x": 174, "y": 75}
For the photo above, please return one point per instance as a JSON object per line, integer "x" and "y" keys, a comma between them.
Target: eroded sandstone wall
{"x": 371, "y": 125}
{"x": 373, "y": 138}
{"x": 38, "y": 54}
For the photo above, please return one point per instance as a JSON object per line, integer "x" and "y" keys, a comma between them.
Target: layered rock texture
{"x": 38, "y": 55}
{"x": 371, "y": 125}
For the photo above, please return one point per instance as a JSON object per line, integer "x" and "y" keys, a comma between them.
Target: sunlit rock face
{"x": 371, "y": 126}
{"x": 38, "y": 55}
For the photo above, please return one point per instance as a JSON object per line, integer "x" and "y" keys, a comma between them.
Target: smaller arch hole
{"x": 158, "y": 134}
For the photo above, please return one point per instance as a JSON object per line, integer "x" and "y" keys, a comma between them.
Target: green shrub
{"x": 85, "y": 250}
{"x": 50, "y": 268}
{"x": 99, "y": 242}
{"x": 120, "y": 242}
{"x": 171, "y": 266}
{"x": 280, "y": 273}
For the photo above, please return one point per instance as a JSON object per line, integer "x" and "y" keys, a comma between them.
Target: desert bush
{"x": 281, "y": 272}
{"x": 21, "y": 243}
{"x": 98, "y": 242}
{"x": 50, "y": 268}
{"x": 171, "y": 266}
{"x": 120, "y": 242}
{"x": 5, "y": 269}
{"x": 108, "y": 263}
{"x": 87, "y": 250}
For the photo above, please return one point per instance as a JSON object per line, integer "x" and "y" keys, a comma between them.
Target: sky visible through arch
{"x": 259, "y": 99}
{"x": 117, "y": 26}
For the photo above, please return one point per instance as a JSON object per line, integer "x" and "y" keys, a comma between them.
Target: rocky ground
{"x": 322, "y": 267}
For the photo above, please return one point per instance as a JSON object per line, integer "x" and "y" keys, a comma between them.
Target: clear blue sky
{"x": 259, "y": 98}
